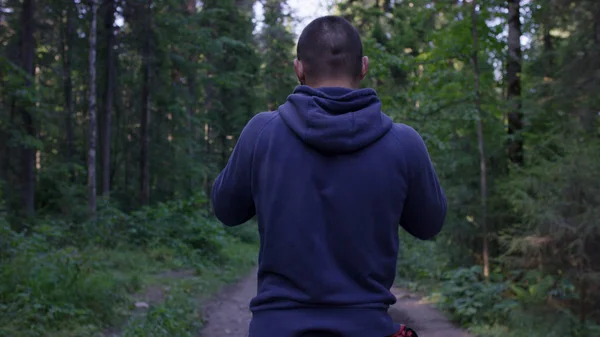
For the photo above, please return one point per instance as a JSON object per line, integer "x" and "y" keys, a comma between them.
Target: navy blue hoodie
{"x": 329, "y": 177}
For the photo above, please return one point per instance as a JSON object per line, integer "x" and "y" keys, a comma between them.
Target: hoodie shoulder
{"x": 261, "y": 119}
{"x": 258, "y": 122}
{"x": 407, "y": 135}
{"x": 411, "y": 142}
{"x": 414, "y": 150}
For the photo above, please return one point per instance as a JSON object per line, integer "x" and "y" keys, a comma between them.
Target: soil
{"x": 423, "y": 317}
{"x": 228, "y": 315}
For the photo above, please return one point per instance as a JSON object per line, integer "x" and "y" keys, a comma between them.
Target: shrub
{"x": 247, "y": 233}
{"x": 45, "y": 289}
{"x": 469, "y": 299}
{"x": 176, "y": 316}
{"x": 176, "y": 224}
{"x": 61, "y": 277}
{"x": 420, "y": 260}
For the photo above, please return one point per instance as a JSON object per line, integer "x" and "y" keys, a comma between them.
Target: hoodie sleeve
{"x": 425, "y": 206}
{"x": 232, "y": 198}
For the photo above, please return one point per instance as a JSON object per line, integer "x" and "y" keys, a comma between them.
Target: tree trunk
{"x": 480, "y": 143}
{"x": 224, "y": 151}
{"x": 388, "y": 6}
{"x": 191, "y": 10}
{"x": 108, "y": 96}
{"x": 4, "y": 156}
{"x": 7, "y": 167}
{"x": 67, "y": 58}
{"x": 145, "y": 116}
{"x": 245, "y": 5}
{"x": 208, "y": 96}
{"x": 515, "y": 116}
{"x": 26, "y": 58}
{"x": 548, "y": 51}
{"x": 92, "y": 111}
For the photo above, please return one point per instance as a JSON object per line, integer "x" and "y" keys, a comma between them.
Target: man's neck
{"x": 334, "y": 83}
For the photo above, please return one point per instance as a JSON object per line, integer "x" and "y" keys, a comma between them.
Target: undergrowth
{"x": 77, "y": 279}
{"x": 495, "y": 307}
{"x": 180, "y": 313}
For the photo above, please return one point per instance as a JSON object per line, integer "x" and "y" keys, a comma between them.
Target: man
{"x": 329, "y": 177}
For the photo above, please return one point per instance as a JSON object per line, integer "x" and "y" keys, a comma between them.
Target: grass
{"x": 480, "y": 307}
{"x": 179, "y": 314}
{"x": 73, "y": 292}
{"x": 536, "y": 323}
{"x": 520, "y": 322}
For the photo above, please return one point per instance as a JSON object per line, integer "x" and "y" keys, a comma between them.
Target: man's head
{"x": 330, "y": 54}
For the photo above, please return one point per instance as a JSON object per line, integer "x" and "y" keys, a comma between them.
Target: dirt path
{"x": 422, "y": 317}
{"x": 228, "y": 314}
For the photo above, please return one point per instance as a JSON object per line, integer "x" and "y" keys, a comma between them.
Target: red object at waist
{"x": 405, "y": 332}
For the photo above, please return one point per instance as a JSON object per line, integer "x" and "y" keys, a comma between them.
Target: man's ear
{"x": 365, "y": 67}
{"x": 299, "y": 69}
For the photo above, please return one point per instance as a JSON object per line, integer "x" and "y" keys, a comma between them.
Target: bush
{"x": 471, "y": 300}
{"x": 247, "y": 233}
{"x": 60, "y": 277}
{"x": 44, "y": 289}
{"x": 173, "y": 224}
{"x": 421, "y": 261}
{"x": 176, "y": 316}
{"x": 556, "y": 200}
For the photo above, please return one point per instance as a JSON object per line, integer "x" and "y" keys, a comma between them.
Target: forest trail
{"x": 227, "y": 315}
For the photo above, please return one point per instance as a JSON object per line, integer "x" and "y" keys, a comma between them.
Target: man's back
{"x": 329, "y": 177}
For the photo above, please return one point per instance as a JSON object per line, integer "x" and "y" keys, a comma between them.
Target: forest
{"x": 117, "y": 115}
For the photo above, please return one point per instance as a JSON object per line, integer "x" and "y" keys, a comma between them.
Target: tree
{"x": 26, "y": 58}
{"x": 480, "y": 143}
{"x": 109, "y": 21}
{"x": 278, "y": 43}
{"x": 145, "y": 106}
{"x": 92, "y": 109}
{"x": 67, "y": 42}
{"x": 513, "y": 78}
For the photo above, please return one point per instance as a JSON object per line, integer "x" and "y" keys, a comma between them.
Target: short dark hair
{"x": 330, "y": 47}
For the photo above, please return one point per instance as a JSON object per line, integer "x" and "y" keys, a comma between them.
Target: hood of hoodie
{"x": 335, "y": 120}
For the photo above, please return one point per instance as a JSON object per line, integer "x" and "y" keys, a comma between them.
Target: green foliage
{"x": 277, "y": 42}
{"x": 420, "y": 260}
{"x": 43, "y": 290}
{"x": 523, "y": 323}
{"x": 179, "y": 314}
{"x": 557, "y": 198}
{"x": 171, "y": 224}
{"x": 535, "y": 288}
{"x": 472, "y": 300}
{"x": 247, "y": 233}
{"x": 176, "y": 316}
{"x": 63, "y": 277}
{"x": 495, "y": 307}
